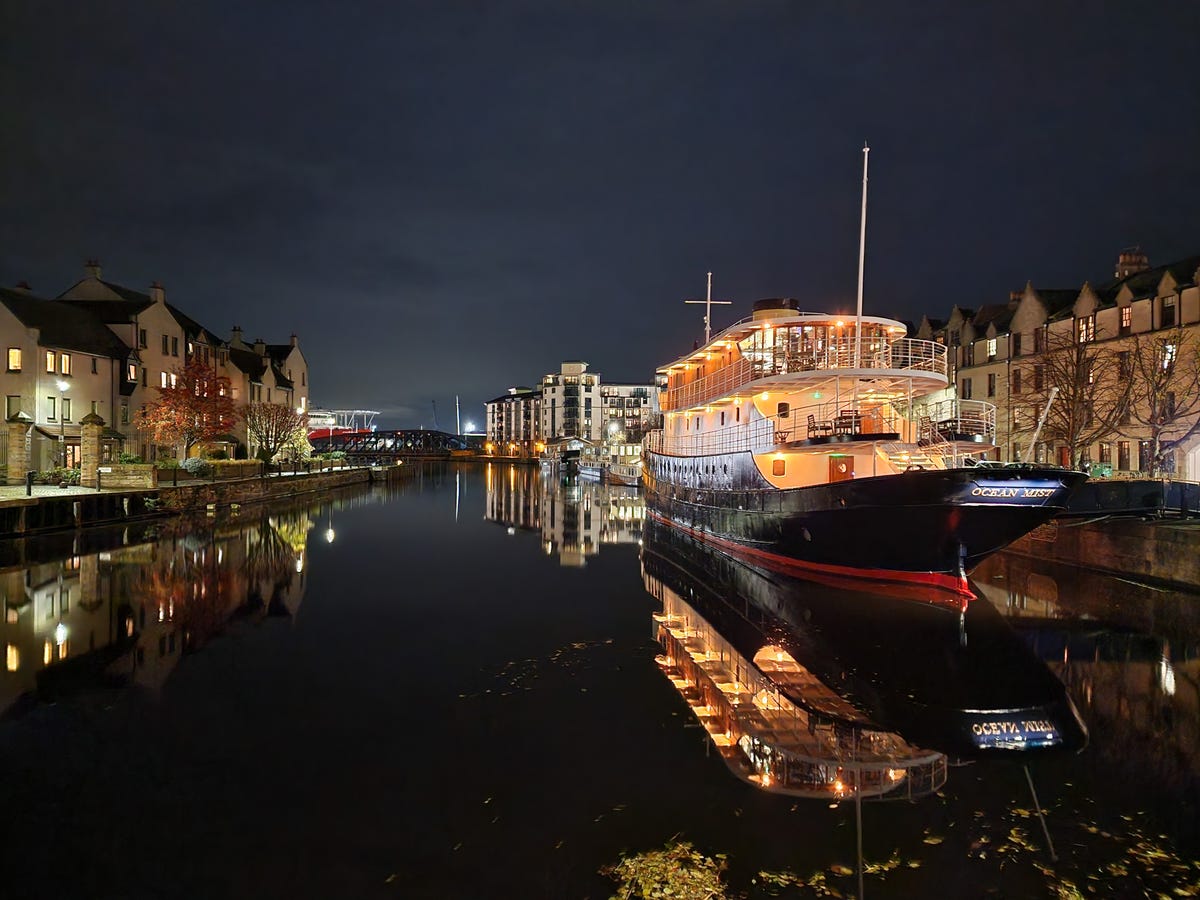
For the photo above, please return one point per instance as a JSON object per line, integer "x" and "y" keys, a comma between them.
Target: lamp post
{"x": 62, "y": 386}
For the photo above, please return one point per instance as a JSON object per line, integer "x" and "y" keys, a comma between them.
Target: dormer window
{"x": 1085, "y": 329}
{"x": 991, "y": 349}
{"x": 1126, "y": 319}
{"x": 1168, "y": 312}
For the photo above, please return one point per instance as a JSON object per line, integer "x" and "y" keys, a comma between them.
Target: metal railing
{"x": 940, "y": 422}
{"x": 905, "y": 355}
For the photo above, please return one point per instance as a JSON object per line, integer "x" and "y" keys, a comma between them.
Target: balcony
{"x": 905, "y": 356}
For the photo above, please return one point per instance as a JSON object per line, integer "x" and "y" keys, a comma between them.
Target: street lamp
{"x": 63, "y": 386}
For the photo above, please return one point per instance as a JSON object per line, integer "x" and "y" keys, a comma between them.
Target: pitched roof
{"x": 111, "y": 311}
{"x": 191, "y": 328}
{"x": 1145, "y": 283}
{"x": 999, "y": 313}
{"x": 1057, "y": 300}
{"x": 249, "y": 362}
{"x": 64, "y": 325}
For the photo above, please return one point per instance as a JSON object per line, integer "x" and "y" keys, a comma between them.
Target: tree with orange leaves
{"x": 196, "y": 407}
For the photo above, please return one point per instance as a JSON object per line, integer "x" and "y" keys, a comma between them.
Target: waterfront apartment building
{"x": 575, "y": 403}
{"x": 115, "y": 348}
{"x": 514, "y": 422}
{"x": 1122, "y": 354}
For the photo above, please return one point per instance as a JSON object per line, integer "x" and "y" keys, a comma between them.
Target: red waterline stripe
{"x": 902, "y": 584}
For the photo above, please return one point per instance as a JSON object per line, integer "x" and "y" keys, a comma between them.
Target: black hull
{"x": 926, "y": 521}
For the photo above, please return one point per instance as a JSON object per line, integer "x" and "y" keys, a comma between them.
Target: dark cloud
{"x": 449, "y": 198}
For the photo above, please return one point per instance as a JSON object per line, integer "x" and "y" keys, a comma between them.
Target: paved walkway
{"x": 17, "y": 491}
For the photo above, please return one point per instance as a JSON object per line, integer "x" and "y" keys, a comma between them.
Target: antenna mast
{"x": 862, "y": 255}
{"x": 708, "y": 302}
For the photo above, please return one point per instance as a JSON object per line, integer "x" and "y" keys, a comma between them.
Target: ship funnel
{"x": 775, "y": 307}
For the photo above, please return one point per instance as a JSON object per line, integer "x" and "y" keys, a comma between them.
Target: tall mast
{"x": 457, "y": 417}
{"x": 862, "y": 255}
{"x": 708, "y": 302}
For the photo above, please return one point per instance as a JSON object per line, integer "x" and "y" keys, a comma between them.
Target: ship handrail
{"x": 903, "y": 356}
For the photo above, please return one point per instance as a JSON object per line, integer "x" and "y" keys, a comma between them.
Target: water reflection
{"x": 801, "y": 686}
{"x": 1129, "y": 654}
{"x": 574, "y": 517}
{"x": 127, "y": 611}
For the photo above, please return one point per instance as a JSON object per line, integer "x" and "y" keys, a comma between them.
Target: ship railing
{"x": 823, "y": 420}
{"x": 905, "y": 355}
{"x": 947, "y": 421}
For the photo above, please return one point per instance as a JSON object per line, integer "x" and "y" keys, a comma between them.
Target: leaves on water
{"x": 678, "y": 871}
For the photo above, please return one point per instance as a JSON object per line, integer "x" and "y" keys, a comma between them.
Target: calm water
{"x": 463, "y": 688}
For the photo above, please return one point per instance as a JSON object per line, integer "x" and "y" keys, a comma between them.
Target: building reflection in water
{"x": 574, "y": 517}
{"x": 127, "y": 613}
{"x": 812, "y": 690}
{"x": 1129, "y": 654}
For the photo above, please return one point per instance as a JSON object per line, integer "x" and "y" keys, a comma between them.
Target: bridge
{"x": 381, "y": 446}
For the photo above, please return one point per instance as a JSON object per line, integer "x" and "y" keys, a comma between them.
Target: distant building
{"x": 575, "y": 403}
{"x": 514, "y": 422}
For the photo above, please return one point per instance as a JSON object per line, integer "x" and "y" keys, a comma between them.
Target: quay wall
{"x": 44, "y": 514}
{"x": 1161, "y": 552}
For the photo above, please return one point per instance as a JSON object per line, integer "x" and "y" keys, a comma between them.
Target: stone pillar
{"x": 18, "y": 451}
{"x": 90, "y": 428}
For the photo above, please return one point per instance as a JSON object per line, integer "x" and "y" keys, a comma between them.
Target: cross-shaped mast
{"x": 708, "y": 302}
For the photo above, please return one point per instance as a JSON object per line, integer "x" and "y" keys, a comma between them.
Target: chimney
{"x": 1130, "y": 261}
{"x": 260, "y": 346}
{"x": 157, "y": 294}
{"x": 91, "y": 269}
{"x": 295, "y": 340}
{"x": 22, "y": 287}
{"x": 235, "y": 338}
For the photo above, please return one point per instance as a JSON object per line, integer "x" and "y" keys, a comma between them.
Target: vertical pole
{"x": 708, "y": 310}
{"x": 858, "y": 823}
{"x": 862, "y": 253}
{"x": 1038, "y": 806}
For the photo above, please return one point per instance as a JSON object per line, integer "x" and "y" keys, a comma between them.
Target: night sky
{"x": 449, "y": 198}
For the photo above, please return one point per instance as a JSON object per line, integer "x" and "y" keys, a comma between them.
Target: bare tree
{"x": 272, "y": 426}
{"x": 1092, "y": 397}
{"x": 1165, "y": 370}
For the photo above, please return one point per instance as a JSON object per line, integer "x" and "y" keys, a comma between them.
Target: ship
{"x": 834, "y": 445}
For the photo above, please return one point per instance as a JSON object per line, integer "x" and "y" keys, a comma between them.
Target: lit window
{"x": 174, "y": 379}
{"x": 162, "y": 379}
{"x": 65, "y": 363}
{"x": 51, "y": 359}
{"x": 1168, "y": 355}
{"x": 14, "y": 359}
{"x": 131, "y": 372}
{"x": 1126, "y": 317}
{"x": 1085, "y": 329}
{"x": 12, "y": 658}
{"x": 991, "y": 348}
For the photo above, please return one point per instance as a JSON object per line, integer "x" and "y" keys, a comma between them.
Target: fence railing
{"x": 905, "y": 355}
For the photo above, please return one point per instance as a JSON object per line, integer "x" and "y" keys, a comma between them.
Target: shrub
{"x": 217, "y": 454}
{"x": 197, "y": 467}
{"x": 167, "y": 463}
{"x": 128, "y": 459}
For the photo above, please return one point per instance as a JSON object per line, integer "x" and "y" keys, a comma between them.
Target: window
{"x": 64, "y": 360}
{"x": 124, "y": 413}
{"x": 142, "y": 338}
{"x": 1015, "y": 340}
{"x": 162, "y": 379}
{"x": 174, "y": 379}
{"x": 144, "y": 377}
{"x": 166, "y": 345}
{"x": 174, "y": 346}
{"x": 14, "y": 359}
{"x": 66, "y": 409}
{"x": 784, "y": 410}
{"x": 1016, "y": 381}
{"x": 1126, "y": 319}
{"x": 1144, "y": 460}
{"x": 969, "y": 354}
{"x": 131, "y": 372}
{"x": 95, "y": 407}
{"x": 51, "y": 415}
{"x": 12, "y": 406}
{"x": 965, "y": 393}
{"x": 1085, "y": 329}
{"x": 303, "y": 379}
{"x": 1167, "y": 353}
{"x": 991, "y": 348}
{"x": 51, "y": 359}
{"x": 1125, "y": 363}
{"x": 992, "y": 384}
{"x": 1123, "y": 455}
{"x": 1106, "y": 454}
{"x": 94, "y": 370}
{"x": 1039, "y": 339}
{"x": 778, "y": 466}
{"x": 1169, "y": 406}
{"x": 1039, "y": 375}
{"x": 1168, "y": 312}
